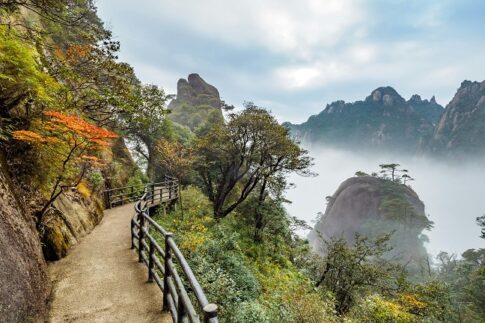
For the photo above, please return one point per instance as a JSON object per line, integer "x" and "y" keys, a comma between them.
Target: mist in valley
{"x": 452, "y": 192}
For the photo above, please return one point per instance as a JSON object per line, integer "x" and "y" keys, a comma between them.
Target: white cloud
{"x": 294, "y": 27}
{"x": 291, "y": 53}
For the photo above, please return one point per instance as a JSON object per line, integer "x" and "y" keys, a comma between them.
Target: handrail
{"x": 162, "y": 262}
{"x": 129, "y": 194}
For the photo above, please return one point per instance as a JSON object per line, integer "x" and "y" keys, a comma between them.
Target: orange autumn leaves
{"x": 68, "y": 134}
{"x": 73, "y": 54}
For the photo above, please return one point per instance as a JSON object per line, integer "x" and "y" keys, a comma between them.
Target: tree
{"x": 175, "y": 158}
{"x": 406, "y": 178}
{"x": 346, "y": 271}
{"x": 147, "y": 124}
{"x": 389, "y": 169}
{"x": 70, "y": 143}
{"x": 234, "y": 158}
{"x": 481, "y": 223}
{"x": 22, "y": 78}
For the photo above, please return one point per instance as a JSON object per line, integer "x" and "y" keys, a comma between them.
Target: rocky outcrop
{"x": 24, "y": 285}
{"x": 121, "y": 165}
{"x": 71, "y": 218}
{"x": 461, "y": 130}
{"x": 196, "y": 103}
{"x": 384, "y": 120}
{"x": 372, "y": 206}
{"x": 195, "y": 91}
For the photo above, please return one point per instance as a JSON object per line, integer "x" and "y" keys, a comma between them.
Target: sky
{"x": 295, "y": 56}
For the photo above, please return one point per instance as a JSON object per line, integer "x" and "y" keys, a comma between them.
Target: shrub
{"x": 375, "y": 309}
{"x": 250, "y": 312}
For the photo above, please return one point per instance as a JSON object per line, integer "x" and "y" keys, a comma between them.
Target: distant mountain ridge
{"x": 384, "y": 120}
{"x": 460, "y": 131}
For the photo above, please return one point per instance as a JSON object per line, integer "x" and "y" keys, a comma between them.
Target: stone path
{"x": 101, "y": 280}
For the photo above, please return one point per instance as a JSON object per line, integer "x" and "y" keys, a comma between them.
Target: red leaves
{"x": 80, "y": 128}
{"x": 68, "y": 133}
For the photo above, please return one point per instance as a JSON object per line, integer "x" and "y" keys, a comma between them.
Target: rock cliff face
{"x": 372, "y": 206}
{"x": 461, "y": 129}
{"x": 24, "y": 285}
{"x": 384, "y": 120}
{"x": 196, "y": 103}
{"x": 72, "y": 217}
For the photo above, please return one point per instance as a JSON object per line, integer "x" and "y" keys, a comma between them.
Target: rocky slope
{"x": 384, "y": 120}
{"x": 461, "y": 129}
{"x": 196, "y": 103}
{"x": 372, "y": 206}
{"x": 24, "y": 285}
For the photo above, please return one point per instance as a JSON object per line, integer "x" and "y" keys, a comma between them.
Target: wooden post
{"x": 181, "y": 316}
{"x": 108, "y": 200}
{"x": 132, "y": 195}
{"x": 141, "y": 236}
{"x": 151, "y": 254}
{"x": 167, "y": 258}
{"x": 153, "y": 193}
{"x": 132, "y": 233}
{"x": 210, "y": 312}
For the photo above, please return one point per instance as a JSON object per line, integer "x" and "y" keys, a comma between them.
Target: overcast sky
{"x": 295, "y": 56}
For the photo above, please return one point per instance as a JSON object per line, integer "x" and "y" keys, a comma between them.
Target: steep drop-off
{"x": 372, "y": 206}
{"x": 384, "y": 120}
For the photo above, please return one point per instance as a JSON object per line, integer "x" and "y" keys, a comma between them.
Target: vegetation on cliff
{"x": 66, "y": 107}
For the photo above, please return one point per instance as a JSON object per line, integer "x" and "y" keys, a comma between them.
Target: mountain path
{"x": 100, "y": 280}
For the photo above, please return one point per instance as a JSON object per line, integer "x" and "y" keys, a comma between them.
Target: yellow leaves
{"x": 27, "y": 135}
{"x": 193, "y": 240}
{"x": 84, "y": 190}
{"x": 411, "y": 302}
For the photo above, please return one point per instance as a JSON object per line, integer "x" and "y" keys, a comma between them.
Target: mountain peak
{"x": 386, "y": 95}
{"x": 415, "y": 98}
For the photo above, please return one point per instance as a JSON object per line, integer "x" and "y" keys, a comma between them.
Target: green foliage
{"x": 22, "y": 78}
{"x": 466, "y": 280}
{"x": 349, "y": 271}
{"x": 96, "y": 179}
{"x": 481, "y": 223}
{"x": 234, "y": 158}
{"x": 250, "y": 282}
{"x": 198, "y": 118}
{"x": 250, "y": 312}
{"x": 375, "y": 309}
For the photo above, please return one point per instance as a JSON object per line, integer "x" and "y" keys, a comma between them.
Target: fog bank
{"x": 453, "y": 194}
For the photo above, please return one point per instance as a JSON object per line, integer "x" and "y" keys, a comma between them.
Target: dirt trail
{"x": 101, "y": 280}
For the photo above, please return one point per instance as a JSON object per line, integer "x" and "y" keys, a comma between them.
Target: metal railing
{"x": 159, "y": 252}
{"x": 166, "y": 190}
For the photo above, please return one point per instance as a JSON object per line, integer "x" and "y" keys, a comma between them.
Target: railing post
{"x": 132, "y": 233}
{"x": 141, "y": 236}
{"x": 108, "y": 200}
{"x": 180, "y": 309}
{"x": 153, "y": 193}
{"x": 151, "y": 254}
{"x": 167, "y": 258}
{"x": 170, "y": 191}
{"x": 210, "y": 312}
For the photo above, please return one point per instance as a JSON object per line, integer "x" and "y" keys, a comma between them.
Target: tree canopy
{"x": 234, "y": 158}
